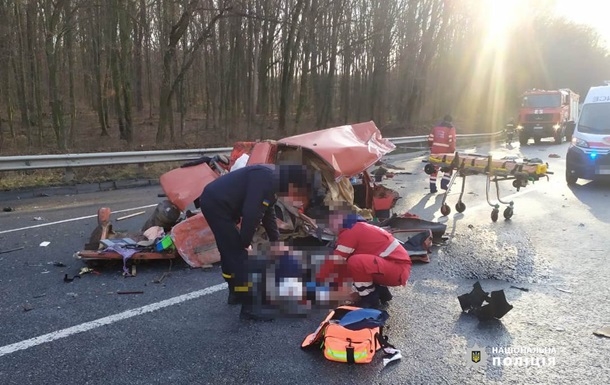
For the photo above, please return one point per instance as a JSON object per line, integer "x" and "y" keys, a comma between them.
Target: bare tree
{"x": 260, "y": 68}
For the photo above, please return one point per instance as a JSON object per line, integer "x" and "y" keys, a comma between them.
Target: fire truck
{"x": 547, "y": 114}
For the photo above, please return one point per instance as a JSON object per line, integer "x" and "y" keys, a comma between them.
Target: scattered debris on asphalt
{"x": 554, "y": 156}
{"x": 508, "y": 255}
{"x": 40, "y": 295}
{"x": 388, "y": 165}
{"x": 131, "y": 215}
{"x": 564, "y": 290}
{"x": 68, "y": 279}
{"x": 11, "y": 250}
{"x": 28, "y": 307}
{"x": 496, "y": 307}
{"x": 45, "y": 244}
{"x": 519, "y": 288}
{"x": 129, "y": 273}
{"x": 162, "y": 277}
{"x": 130, "y": 292}
{"x": 32, "y": 265}
{"x": 8, "y": 209}
{"x": 56, "y": 264}
{"x": 86, "y": 270}
{"x": 38, "y": 218}
{"x": 603, "y": 332}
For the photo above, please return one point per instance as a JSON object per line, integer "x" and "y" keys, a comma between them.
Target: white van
{"x": 587, "y": 156}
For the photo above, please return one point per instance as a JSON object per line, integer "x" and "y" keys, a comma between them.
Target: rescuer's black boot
{"x": 253, "y": 305}
{"x": 384, "y": 293}
{"x": 369, "y": 301}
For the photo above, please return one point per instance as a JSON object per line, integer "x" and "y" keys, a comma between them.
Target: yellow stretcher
{"x": 462, "y": 164}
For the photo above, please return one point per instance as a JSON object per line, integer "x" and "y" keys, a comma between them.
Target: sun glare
{"x": 500, "y": 16}
{"x": 488, "y": 83}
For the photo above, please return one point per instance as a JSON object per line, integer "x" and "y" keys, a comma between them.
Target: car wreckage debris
{"x": 496, "y": 307}
{"x": 11, "y": 250}
{"x": 603, "y": 332}
{"x": 68, "y": 279}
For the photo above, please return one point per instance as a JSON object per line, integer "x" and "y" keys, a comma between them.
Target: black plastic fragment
{"x": 485, "y": 306}
{"x": 66, "y": 279}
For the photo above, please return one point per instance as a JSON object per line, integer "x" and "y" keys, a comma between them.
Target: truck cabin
{"x": 544, "y": 100}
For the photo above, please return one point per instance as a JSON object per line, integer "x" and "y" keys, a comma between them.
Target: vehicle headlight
{"x": 556, "y": 126}
{"x": 580, "y": 143}
{"x": 519, "y": 127}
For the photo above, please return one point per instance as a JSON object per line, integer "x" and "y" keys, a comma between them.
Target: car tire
{"x": 571, "y": 179}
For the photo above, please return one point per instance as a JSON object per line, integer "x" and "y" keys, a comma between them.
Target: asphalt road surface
{"x": 181, "y": 331}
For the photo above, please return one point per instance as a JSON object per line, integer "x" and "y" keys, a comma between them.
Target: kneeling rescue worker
{"x": 249, "y": 194}
{"x": 375, "y": 259}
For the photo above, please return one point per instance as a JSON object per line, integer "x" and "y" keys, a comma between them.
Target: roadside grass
{"x": 13, "y": 180}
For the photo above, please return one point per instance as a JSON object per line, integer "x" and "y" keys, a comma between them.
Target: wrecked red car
{"x": 339, "y": 157}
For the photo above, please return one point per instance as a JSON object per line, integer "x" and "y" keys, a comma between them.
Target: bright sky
{"x": 595, "y": 13}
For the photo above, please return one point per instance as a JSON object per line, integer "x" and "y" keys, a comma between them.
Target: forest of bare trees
{"x": 220, "y": 70}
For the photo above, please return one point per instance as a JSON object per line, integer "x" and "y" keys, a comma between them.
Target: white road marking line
{"x": 72, "y": 219}
{"x": 53, "y": 336}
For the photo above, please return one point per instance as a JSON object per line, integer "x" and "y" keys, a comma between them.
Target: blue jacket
{"x": 247, "y": 193}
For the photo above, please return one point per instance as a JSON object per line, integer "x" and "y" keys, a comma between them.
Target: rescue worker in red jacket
{"x": 441, "y": 140}
{"x": 374, "y": 259}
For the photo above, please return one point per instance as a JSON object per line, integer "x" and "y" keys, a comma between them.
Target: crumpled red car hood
{"x": 350, "y": 149}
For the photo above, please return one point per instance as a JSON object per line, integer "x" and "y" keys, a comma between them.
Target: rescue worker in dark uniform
{"x": 247, "y": 194}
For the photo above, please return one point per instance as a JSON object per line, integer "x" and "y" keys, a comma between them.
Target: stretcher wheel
{"x": 508, "y": 212}
{"x": 460, "y": 207}
{"x": 429, "y": 169}
{"x": 445, "y": 209}
{"x": 494, "y": 214}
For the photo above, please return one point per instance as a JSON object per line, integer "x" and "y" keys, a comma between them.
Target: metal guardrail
{"x": 33, "y": 162}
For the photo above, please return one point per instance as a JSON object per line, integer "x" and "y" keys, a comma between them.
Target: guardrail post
{"x": 141, "y": 170}
{"x": 68, "y": 175}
